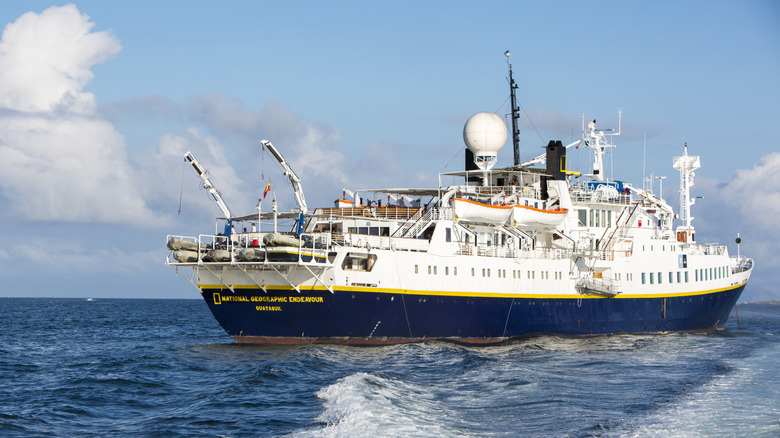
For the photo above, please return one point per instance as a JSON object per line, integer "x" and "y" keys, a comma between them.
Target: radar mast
{"x": 515, "y": 112}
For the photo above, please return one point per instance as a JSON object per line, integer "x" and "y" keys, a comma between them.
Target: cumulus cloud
{"x": 757, "y": 190}
{"x": 58, "y": 160}
{"x": 46, "y": 59}
{"x": 747, "y": 204}
{"x": 158, "y": 174}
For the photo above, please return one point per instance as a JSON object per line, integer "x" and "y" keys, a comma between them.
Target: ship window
{"x": 352, "y": 230}
{"x": 659, "y": 278}
{"x": 483, "y": 272}
{"x": 603, "y": 218}
{"x": 678, "y": 276}
{"x": 384, "y": 231}
{"x": 643, "y": 278}
{"x": 472, "y": 272}
{"x": 362, "y": 230}
{"x": 682, "y": 261}
{"x": 583, "y": 216}
{"x": 446, "y": 270}
{"x": 356, "y": 261}
{"x": 686, "y": 276}
{"x": 416, "y": 269}
{"x": 448, "y": 234}
{"x": 696, "y": 271}
{"x": 454, "y": 270}
{"x": 514, "y": 274}
{"x": 592, "y": 221}
{"x": 434, "y": 270}
{"x": 652, "y": 278}
{"x": 671, "y": 280}
{"x": 488, "y": 272}
{"x": 374, "y": 231}
{"x": 609, "y": 218}
{"x": 429, "y": 269}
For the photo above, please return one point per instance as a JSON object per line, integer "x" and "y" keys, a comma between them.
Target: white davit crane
{"x": 204, "y": 176}
{"x": 294, "y": 180}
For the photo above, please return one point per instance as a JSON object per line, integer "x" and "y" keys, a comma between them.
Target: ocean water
{"x": 71, "y": 367}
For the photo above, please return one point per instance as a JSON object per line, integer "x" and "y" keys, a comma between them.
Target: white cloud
{"x": 749, "y": 204}
{"x": 158, "y": 173}
{"x": 58, "y": 161}
{"x": 45, "y": 60}
{"x": 756, "y": 192}
{"x": 67, "y": 257}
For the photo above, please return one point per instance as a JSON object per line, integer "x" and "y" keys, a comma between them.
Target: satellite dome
{"x": 484, "y": 134}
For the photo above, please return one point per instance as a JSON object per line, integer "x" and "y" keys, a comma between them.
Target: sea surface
{"x": 146, "y": 368}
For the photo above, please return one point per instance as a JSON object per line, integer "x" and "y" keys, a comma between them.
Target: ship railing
{"x": 487, "y": 251}
{"x": 369, "y": 242}
{"x": 508, "y": 252}
{"x": 591, "y": 285}
{"x": 315, "y": 244}
{"x": 391, "y": 212}
{"x": 420, "y": 224}
{"x": 406, "y": 226}
{"x": 546, "y": 253}
{"x": 582, "y": 194}
{"x": 741, "y": 264}
{"x": 704, "y": 249}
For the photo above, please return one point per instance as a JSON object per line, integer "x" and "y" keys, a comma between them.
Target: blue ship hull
{"x": 365, "y": 317}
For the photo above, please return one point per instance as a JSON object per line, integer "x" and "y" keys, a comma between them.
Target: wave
{"x": 364, "y": 404}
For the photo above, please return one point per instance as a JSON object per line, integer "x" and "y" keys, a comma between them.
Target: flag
{"x": 267, "y": 189}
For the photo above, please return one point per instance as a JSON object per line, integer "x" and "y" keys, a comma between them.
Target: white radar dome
{"x": 484, "y": 134}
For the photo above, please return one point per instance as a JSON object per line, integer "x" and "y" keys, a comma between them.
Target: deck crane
{"x": 289, "y": 173}
{"x": 205, "y": 177}
{"x": 294, "y": 180}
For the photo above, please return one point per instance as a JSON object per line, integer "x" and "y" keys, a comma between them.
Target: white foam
{"x": 364, "y": 404}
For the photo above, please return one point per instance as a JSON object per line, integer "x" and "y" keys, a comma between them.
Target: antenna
{"x": 515, "y": 112}
{"x": 644, "y": 161}
{"x": 738, "y": 240}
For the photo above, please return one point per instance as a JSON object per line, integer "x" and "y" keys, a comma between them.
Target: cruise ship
{"x": 503, "y": 253}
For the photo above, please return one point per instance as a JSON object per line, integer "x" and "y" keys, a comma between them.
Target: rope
{"x": 532, "y": 122}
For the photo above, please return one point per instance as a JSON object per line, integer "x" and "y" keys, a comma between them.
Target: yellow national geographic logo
{"x": 217, "y": 299}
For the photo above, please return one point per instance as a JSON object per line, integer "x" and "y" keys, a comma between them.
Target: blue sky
{"x": 99, "y": 100}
